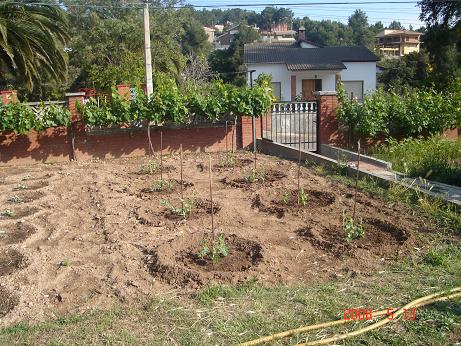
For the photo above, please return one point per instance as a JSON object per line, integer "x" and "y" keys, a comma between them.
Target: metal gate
{"x": 293, "y": 124}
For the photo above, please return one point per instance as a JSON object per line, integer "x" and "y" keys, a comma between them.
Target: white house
{"x": 300, "y": 68}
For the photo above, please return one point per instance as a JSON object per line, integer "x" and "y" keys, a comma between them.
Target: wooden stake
{"x": 211, "y": 199}
{"x": 233, "y": 133}
{"x": 227, "y": 149}
{"x": 356, "y": 179}
{"x": 255, "y": 160}
{"x": 161, "y": 157}
{"x": 182, "y": 185}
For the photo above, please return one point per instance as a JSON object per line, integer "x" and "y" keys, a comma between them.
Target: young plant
{"x": 303, "y": 198}
{"x": 353, "y": 228}
{"x": 27, "y": 177}
{"x": 20, "y": 187}
{"x": 227, "y": 161}
{"x": 183, "y": 210}
{"x": 7, "y": 213}
{"x": 214, "y": 250}
{"x": 286, "y": 197}
{"x": 162, "y": 185}
{"x": 255, "y": 175}
{"x": 150, "y": 167}
{"x": 14, "y": 199}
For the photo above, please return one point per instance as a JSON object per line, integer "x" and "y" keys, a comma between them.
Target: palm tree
{"x": 32, "y": 41}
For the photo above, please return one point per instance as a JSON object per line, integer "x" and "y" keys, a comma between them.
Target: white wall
{"x": 281, "y": 74}
{"x": 356, "y": 71}
{"x": 361, "y": 71}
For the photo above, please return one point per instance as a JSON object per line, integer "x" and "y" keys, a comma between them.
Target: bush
{"x": 434, "y": 158}
{"x": 21, "y": 118}
{"x": 410, "y": 114}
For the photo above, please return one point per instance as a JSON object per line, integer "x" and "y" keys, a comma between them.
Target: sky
{"x": 405, "y": 13}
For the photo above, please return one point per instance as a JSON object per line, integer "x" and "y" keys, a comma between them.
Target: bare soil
{"x": 92, "y": 237}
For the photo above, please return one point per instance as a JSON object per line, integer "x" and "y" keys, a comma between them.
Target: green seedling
{"x": 7, "y": 213}
{"x": 65, "y": 263}
{"x": 162, "y": 185}
{"x": 14, "y": 199}
{"x": 183, "y": 210}
{"x": 215, "y": 250}
{"x": 303, "y": 198}
{"x": 353, "y": 228}
{"x": 286, "y": 197}
{"x": 20, "y": 187}
{"x": 227, "y": 161}
{"x": 255, "y": 175}
{"x": 27, "y": 177}
{"x": 150, "y": 167}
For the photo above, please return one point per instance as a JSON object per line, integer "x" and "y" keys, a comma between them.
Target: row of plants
{"x": 408, "y": 114}
{"x": 21, "y": 118}
{"x": 170, "y": 104}
{"x": 434, "y": 158}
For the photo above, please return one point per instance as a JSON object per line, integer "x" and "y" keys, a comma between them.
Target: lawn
{"x": 433, "y": 158}
{"x": 104, "y": 252}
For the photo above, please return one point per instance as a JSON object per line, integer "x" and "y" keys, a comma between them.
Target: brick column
{"x": 328, "y": 132}
{"x": 293, "y": 88}
{"x": 72, "y": 99}
{"x": 8, "y": 96}
{"x": 124, "y": 91}
{"x": 245, "y": 131}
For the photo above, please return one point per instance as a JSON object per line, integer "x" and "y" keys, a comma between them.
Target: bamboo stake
{"x": 356, "y": 179}
{"x": 182, "y": 185}
{"x": 211, "y": 199}
{"x": 161, "y": 158}
{"x": 227, "y": 149}
{"x": 233, "y": 133}
{"x": 255, "y": 160}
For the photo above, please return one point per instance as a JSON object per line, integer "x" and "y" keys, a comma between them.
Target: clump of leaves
{"x": 14, "y": 199}
{"x": 65, "y": 263}
{"x": 436, "y": 258}
{"x": 162, "y": 185}
{"x": 353, "y": 228}
{"x": 20, "y": 187}
{"x": 150, "y": 167}
{"x": 26, "y": 177}
{"x": 214, "y": 250}
{"x": 286, "y": 197}
{"x": 227, "y": 161}
{"x": 183, "y": 210}
{"x": 255, "y": 175}
{"x": 7, "y": 213}
{"x": 303, "y": 198}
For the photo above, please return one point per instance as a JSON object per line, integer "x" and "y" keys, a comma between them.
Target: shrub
{"x": 434, "y": 158}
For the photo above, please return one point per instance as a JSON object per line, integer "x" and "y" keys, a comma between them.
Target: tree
{"x": 361, "y": 33}
{"x": 395, "y": 25}
{"x": 32, "y": 42}
{"x": 443, "y": 38}
{"x": 194, "y": 40}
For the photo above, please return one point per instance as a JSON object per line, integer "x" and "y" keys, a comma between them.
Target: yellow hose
{"x": 429, "y": 299}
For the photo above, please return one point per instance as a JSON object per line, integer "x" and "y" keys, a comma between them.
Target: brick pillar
{"x": 124, "y": 91}
{"x": 8, "y": 96}
{"x": 293, "y": 88}
{"x": 328, "y": 132}
{"x": 72, "y": 99}
{"x": 76, "y": 124}
{"x": 245, "y": 132}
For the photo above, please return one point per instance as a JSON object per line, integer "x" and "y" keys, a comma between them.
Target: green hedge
{"x": 434, "y": 158}
{"x": 169, "y": 104}
{"x": 410, "y": 114}
{"x": 21, "y": 118}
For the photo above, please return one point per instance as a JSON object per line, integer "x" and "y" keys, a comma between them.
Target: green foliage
{"x": 149, "y": 168}
{"x": 227, "y": 161}
{"x": 256, "y": 175}
{"x": 410, "y": 113}
{"x": 7, "y": 213}
{"x": 303, "y": 198}
{"x": 434, "y": 158}
{"x": 353, "y": 228}
{"x": 183, "y": 210}
{"x": 215, "y": 250}
{"x": 162, "y": 185}
{"x": 21, "y": 118}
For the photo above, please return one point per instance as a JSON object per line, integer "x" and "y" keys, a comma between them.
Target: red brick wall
{"x": 54, "y": 145}
{"x": 8, "y": 96}
{"x": 245, "y": 132}
{"x": 328, "y": 123}
{"x": 452, "y": 134}
{"x": 124, "y": 91}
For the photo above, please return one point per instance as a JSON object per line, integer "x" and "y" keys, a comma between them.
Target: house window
{"x": 354, "y": 89}
{"x": 277, "y": 90}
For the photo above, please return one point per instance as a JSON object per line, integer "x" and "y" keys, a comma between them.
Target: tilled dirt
{"x": 91, "y": 236}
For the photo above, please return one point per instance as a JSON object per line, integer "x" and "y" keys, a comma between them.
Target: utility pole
{"x": 147, "y": 52}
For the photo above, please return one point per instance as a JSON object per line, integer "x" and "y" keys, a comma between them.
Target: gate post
{"x": 328, "y": 129}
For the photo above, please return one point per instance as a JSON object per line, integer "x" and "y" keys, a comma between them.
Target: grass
{"x": 225, "y": 315}
{"x": 434, "y": 158}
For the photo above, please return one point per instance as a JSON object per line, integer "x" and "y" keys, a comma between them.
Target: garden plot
{"x": 88, "y": 235}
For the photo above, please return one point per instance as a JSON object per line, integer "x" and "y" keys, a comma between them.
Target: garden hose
{"x": 429, "y": 299}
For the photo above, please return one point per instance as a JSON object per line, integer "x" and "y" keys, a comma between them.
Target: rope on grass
{"x": 426, "y": 300}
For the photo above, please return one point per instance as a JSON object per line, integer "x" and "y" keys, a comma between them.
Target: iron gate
{"x": 293, "y": 124}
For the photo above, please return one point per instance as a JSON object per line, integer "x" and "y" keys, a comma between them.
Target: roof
{"x": 390, "y": 32}
{"x": 296, "y": 58}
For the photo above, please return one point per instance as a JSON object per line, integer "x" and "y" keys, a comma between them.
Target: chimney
{"x": 301, "y": 33}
